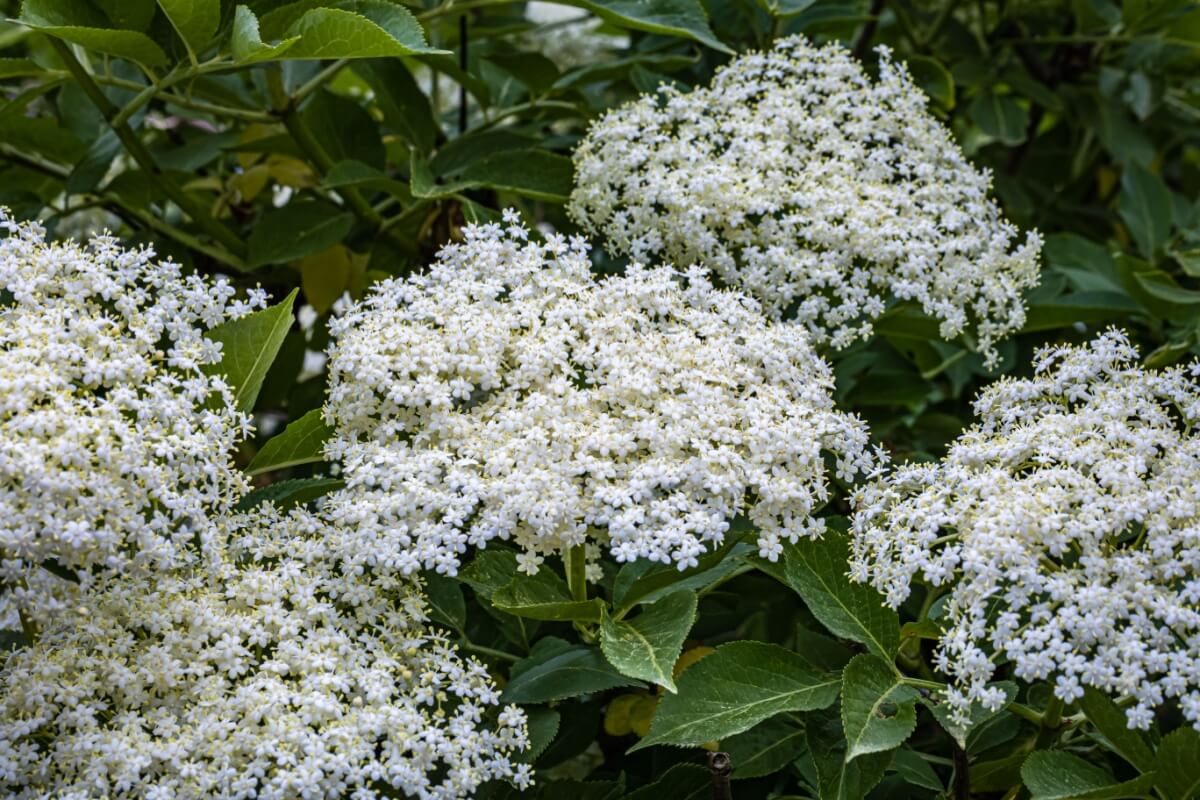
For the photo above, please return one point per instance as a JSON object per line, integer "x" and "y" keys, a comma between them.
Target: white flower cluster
{"x": 113, "y": 440}
{"x": 822, "y": 193}
{"x": 507, "y": 394}
{"x": 1067, "y": 526}
{"x": 265, "y": 671}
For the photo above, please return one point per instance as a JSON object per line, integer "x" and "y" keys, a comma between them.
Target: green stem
{"x": 1052, "y": 716}
{"x": 28, "y": 626}
{"x": 137, "y": 150}
{"x": 318, "y": 80}
{"x": 1025, "y": 713}
{"x": 285, "y": 108}
{"x": 488, "y": 651}
{"x": 576, "y": 563}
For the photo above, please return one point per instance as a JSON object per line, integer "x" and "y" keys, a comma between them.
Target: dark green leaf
{"x": 1112, "y": 723}
{"x": 301, "y": 442}
{"x": 817, "y": 570}
{"x": 647, "y": 646}
{"x": 532, "y": 173}
{"x": 764, "y": 749}
{"x": 878, "y": 709}
{"x": 296, "y": 230}
{"x": 446, "y": 603}
{"x": 977, "y": 713}
{"x": 1145, "y": 206}
{"x": 246, "y": 43}
{"x": 685, "y": 18}
{"x": 59, "y": 570}
{"x": 734, "y": 689}
{"x": 545, "y": 596}
{"x": 838, "y": 777}
{"x": 1177, "y": 762}
{"x": 82, "y": 24}
{"x": 195, "y": 21}
{"x": 556, "y": 670}
{"x": 290, "y": 493}
{"x": 916, "y": 770}
{"x": 680, "y": 782}
{"x": 405, "y": 107}
{"x": 543, "y": 726}
{"x": 1055, "y": 775}
{"x": 360, "y": 29}
{"x": 248, "y": 346}
{"x": 999, "y": 116}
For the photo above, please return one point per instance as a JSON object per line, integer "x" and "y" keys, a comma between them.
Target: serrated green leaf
{"x": 999, "y": 116}
{"x": 1177, "y": 764}
{"x": 246, "y": 43}
{"x": 85, "y": 25}
{"x": 556, "y": 670}
{"x": 301, "y": 442}
{"x": 358, "y": 29}
{"x": 839, "y": 778}
{"x": 647, "y": 646}
{"x": 134, "y": 15}
{"x": 816, "y": 569}
{"x": 19, "y": 68}
{"x": 545, "y": 596}
{"x": 195, "y": 21}
{"x": 685, "y": 18}
{"x": 1112, "y": 723}
{"x": 296, "y": 230}
{"x": 735, "y": 688}
{"x": 543, "y": 726}
{"x": 764, "y": 749}
{"x": 1145, "y": 207}
{"x": 290, "y": 493}
{"x": 490, "y": 570}
{"x": 879, "y": 711}
{"x": 916, "y": 770}
{"x": 1055, "y": 775}
{"x": 248, "y": 347}
{"x": 645, "y": 581}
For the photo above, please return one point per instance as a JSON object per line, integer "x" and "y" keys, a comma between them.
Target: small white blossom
{"x": 114, "y": 441}
{"x": 506, "y": 394}
{"x": 820, "y": 192}
{"x": 264, "y": 671}
{"x": 1066, "y": 525}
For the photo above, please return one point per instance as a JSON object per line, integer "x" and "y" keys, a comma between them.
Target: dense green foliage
{"x": 321, "y": 146}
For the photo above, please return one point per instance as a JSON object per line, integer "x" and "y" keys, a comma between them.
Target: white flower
{"x": 506, "y": 394}
{"x": 823, "y": 194}
{"x": 114, "y": 441}
{"x": 1066, "y": 526}
{"x": 263, "y": 671}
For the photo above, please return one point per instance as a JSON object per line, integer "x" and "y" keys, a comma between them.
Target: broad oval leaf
{"x": 195, "y": 21}
{"x": 359, "y": 29}
{"x": 556, "y": 670}
{"x": 248, "y": 347}
{"x": 734, "y": 689}
{"x": 879, "y": 711}
{"x": 545, "y": 596}
{"x": 686, "y": 18}
{"x": 246, "y": 43}
{"x": 838, "y": 778}
{"x": 1178, "y": 777}
{"x": 1111, "y": 721}
{"x": 648, "y": 646}
{"x": 764, "y": 749}
{"x": 301, "y": 442}
{"x": 87, "y": 26}
{"x": 1000, "y": 116}
{"x": 296, "y": 230}
{"x": 290, "y": 493}
{"x": 816, "y": 569}
{"x": 1055, "y": 775}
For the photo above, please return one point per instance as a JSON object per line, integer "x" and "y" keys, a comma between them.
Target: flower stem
{"x": 576, "y": 563}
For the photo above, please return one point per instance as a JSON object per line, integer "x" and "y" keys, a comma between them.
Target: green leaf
{"x": 1055, "y": 775}
{"x": 41, "y": 135}
{"x": 248, "y": 346}
{"x": 545, "y": 596}
{"x": 196, "y": 21}
{"x": 134, "y": 15}
{"x": 543, "y": 726}
{"x": 404, "y": 106}
{"x": 60, "y": 570}
{"x": 301, "y": 442}
{"x": 685, "y": 18}
{"x": 765, "y": 749}
{"x": 296, "y": 230}
{"x": 999, "y": 116}
{"x": 290, "y": 493}
{"x": 879, "y": 711}
{"x": 360, "y": 29}
{"x": 816, "y": 569}
{"x": 645, "y": 581}
{"x": 1145, "y": 207}
{"x": 838, "y": 777}
{"x": 446, "y": 603}
{"x": 933, "y": 77}
{"x": 734, "y": 689}
{"x": 916, "y": 770}
{"x": 1112, "y": 723}
{"x": 19, "y": 68}
{"x": 647, "y": 646}
{"x": 556, "y": 670}
{"x": 489, "y": 571}
{"x": 85, "y": 25}
{"x": 1178, "y": 764}
{"x": 247, "y": 45}
{"x": 679, "y": 782}
{"x": 533, "y": 172}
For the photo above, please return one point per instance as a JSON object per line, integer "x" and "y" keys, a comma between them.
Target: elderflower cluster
{"x": 820, "y": 192}
{"x": 264, "y": 671}
{"x": 114, "y": 442}
{"x": 506, "y": 394}
{"x": 1066, "y": 525}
